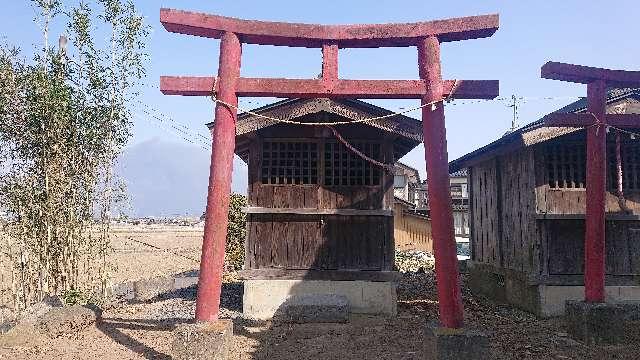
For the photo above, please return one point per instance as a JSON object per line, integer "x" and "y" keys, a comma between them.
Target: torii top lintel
{"x": 329, "y": 38}
{"x": 314, "y": 35}
{"x": 589, "y": 75}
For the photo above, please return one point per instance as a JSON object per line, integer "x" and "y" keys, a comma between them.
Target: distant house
{"x": 405, "y": 181}
{"x": 459, "y": 199}
{"x": 527, "y": 211}
{"x": 412, "y": 226}
{"x": 460, "y": 202}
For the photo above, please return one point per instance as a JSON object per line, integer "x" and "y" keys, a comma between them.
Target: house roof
{"x": 404, "y": 202}
{"x": 408, "y": 130}
{"x": 535, "y": 132}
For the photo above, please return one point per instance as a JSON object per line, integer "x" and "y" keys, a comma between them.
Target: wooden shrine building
{"x": 527, "y": 213}
{"x": 320, "y": 216}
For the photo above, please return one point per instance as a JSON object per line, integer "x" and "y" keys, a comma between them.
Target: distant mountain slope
{"x": 165, "y": 178}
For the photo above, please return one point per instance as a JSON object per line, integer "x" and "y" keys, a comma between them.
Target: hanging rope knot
{"x": 598, "y": 124}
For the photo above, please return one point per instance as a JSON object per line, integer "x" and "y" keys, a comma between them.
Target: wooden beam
{"x": 608, "y": 217}
{"x": 624, "y": 120}
{"x": 586, "y": 119}
{"x": 314, "y": 35}
{"x": 298, "y": 211}
{"x": 340, "y": 88}
{"x": 333, "y": 275}
{"x": 587, "y": 74}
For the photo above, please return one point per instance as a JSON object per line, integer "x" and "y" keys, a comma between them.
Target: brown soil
{"x": 143, "y": 331}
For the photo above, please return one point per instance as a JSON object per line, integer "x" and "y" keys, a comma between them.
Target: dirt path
{"x": 142, "y": 331}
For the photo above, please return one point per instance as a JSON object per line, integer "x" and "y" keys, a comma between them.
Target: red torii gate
{"x": 427, "y": 36}
{"x": 596, "y": 121}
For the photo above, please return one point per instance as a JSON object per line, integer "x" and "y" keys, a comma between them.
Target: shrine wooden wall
{"x": 319, "y": 226}
{"x": 522, "y": 219}
{"x": 502, "y": 205}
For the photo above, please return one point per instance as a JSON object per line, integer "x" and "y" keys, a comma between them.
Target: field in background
{"x": 139, "y": 252}
{"x": 146, "y": 251}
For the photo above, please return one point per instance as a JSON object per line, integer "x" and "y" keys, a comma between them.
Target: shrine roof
{"x": 535, "y": 132}
{"x": 407, "y": 130}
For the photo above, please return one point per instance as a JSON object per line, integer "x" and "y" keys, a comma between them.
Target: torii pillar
{"x": 430, "y": 89}
{"x": 596, "y": 121}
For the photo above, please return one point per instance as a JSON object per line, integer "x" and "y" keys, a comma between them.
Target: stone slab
{"x": 314, "y": 308}
{"x": 455, "y": 344}
{"x": 595, "y": 323}
{"x": 262, "y": 298}
{"x": 146, "y": 290}
{"x": 203, "y": 341}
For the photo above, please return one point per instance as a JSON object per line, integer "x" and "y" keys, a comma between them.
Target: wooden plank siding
{"x": 503, "y": 224}
{"x": 566, "y": 247}
{"x": 331, "y": 242}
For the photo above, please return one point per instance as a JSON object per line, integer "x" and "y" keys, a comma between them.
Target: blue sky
{"x": 593, "y": 33}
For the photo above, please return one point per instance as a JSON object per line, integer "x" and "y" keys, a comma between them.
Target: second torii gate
{"x": 431, "y": 89}
{"x": 596, "y": 121}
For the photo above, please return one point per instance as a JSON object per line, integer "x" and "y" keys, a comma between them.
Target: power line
{"x": 182, "y": 136}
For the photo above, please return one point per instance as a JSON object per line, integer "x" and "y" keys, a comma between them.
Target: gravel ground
{"x": 142, "y": 331}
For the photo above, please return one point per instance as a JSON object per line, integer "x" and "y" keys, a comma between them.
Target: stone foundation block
{"x": 68, "y": 320}
{"x": 203, "y": 341}
{"x": 263, "y": 298}
{"x": 455, "y": 344}
{"x": 595, "y": 323}
{"x": 314, "y": 308}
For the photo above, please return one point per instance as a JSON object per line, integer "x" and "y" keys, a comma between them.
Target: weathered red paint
{"x": 587, "y": 74}
{"x": 313, "y": 35}
{"x": 435, "y": 143}
{"x": 329, "y": 63}
{"x": 594, "y": 255}
{"x": 596, "y": 121}
{"x": 216, "y": 221}
{"x": 426, "y": 35}
{"x": 339, "y": 88}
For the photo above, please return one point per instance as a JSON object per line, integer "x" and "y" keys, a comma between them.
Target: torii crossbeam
{"x": 595, "y": 120}
{"x": 426, "y": 36}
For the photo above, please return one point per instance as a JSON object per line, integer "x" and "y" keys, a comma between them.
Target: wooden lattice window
{"x": 289, "y": 162}
{"x": 342, "y": 167}
{"x": 566, "y": 165}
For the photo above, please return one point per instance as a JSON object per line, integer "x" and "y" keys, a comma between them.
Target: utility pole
{"x": 515, "y": 105}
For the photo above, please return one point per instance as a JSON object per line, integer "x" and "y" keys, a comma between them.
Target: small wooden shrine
{"x": 318, "y": 210}
{"x": 527, "y": 212}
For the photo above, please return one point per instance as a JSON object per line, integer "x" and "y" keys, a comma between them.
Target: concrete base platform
{"x": 203, "y": 341}
{"x": 454, "y": 344}
{"x": 595, "y": 323}
{"x": 515, "y": 288}
{"x": 262, "y": 298}
{"x": 314, "y": 308}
